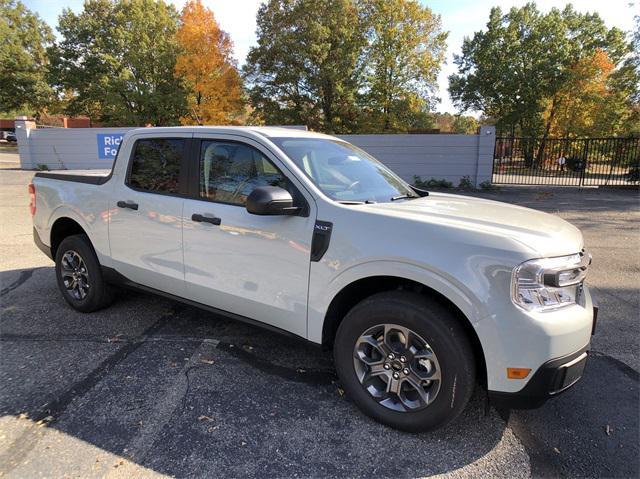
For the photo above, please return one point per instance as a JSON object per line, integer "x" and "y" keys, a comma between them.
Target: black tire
{"x": 442, "y": 332}
{"x": 99, "y": 294}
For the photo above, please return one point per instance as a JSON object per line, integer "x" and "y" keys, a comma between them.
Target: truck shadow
{"x": 181, "y": 392}
{"x": 178, "y": 391}
{"x": 168, "y": 388}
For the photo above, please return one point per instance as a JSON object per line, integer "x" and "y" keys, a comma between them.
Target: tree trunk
{"x": 526, "y": 145}
{"x": 327, "y": 107}
{"x": 547, "y": 129}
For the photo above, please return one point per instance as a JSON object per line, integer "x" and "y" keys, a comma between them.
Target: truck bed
{"x": 92, "y": 177}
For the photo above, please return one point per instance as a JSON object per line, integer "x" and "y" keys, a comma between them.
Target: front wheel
{"x": 405, "y": 361}
{"x": 79, "y": 275}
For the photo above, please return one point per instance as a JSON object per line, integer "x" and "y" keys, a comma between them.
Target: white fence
{"x": 448, "y": 157}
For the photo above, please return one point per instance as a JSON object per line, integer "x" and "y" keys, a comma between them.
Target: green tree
{"x": 406, "y": 46}
{"x": 464, "y": 124}
{"x": 117, "y": 58}
{"x": 516, "y": 69}
{"x": 624, "y": 84}
{"x": 306, "y": 66}
{"x": 448, "y": 123}
{"x": 23, "y": 60}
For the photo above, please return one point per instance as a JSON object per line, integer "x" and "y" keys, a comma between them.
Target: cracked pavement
{"x": 152, "y": 388}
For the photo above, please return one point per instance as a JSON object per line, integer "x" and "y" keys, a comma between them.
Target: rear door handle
{"x": 205, "y": 219}
{"x": 127, "y": 204}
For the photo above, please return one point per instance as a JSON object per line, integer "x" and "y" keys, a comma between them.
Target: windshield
{"x": 342, "y": 171}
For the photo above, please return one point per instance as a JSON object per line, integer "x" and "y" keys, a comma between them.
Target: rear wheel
{"x": 405, "y": 361}
{"x": 79, "y": 275}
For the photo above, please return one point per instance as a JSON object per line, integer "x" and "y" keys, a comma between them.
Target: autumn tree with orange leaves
{"x": 581, "y": 105}
{"x": 208, "y": 69}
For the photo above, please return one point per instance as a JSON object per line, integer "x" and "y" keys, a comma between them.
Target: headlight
{"x": 549, "y": 283}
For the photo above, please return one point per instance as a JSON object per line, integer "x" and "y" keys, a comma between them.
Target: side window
{"x": 230, "y": 171}
{"x": 156, "y": 165}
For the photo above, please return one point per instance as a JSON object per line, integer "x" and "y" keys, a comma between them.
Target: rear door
{"x": 250, "y": 265}
{"x": 145, "y": 229}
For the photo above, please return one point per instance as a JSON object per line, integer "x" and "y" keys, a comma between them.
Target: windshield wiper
{"x": 353, "y": 202}
{"x": 403, "y": 197}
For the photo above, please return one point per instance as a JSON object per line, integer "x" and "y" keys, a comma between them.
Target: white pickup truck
{"x": 420, "y": 295}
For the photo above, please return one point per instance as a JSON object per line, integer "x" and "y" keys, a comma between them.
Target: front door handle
{"x": 206, "y": 219}
{"x": 127, "y": 204}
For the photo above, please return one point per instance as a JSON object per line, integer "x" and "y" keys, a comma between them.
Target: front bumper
{"x": 551, "y": 379}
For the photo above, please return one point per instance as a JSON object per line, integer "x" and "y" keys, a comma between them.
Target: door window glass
{"x": 156, "y": 165}
{"x": 230, "y": 171}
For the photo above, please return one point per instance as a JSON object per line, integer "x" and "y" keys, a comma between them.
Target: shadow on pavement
{"x": 589, "y": 431}
{"x": 187, "y": 393}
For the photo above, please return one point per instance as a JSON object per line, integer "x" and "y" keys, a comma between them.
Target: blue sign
{"x": 108, "y": 144}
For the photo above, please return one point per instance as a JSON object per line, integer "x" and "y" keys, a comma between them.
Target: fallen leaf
{"x": 206, "y": 418}
{"x": 340, "y": 392}
{"x": 608, "y": 430}
{"x": 206, "y": 361}
{"x": 556, "y": 450}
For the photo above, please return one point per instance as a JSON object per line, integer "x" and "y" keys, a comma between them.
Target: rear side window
{"x": 155, "y": 165}
{"x": 230, "y": 171}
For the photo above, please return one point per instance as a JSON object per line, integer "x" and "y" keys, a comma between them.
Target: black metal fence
{"x": 567, "y": 161}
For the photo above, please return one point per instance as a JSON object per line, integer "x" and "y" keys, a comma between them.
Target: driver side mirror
{"x": 271, "y": 200}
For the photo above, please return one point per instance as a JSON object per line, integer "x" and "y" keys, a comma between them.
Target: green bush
{"x": 431, "y": 183}
{"x": 42, "y": 167}
{"x": 487, "y": 185}
{"x": 466, "y": 183}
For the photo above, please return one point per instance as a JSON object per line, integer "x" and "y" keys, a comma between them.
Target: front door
{"x": 145, "y": 225}
{"x": 254, "y": 266}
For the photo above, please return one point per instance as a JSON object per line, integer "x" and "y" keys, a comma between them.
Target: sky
{"x": 459, "y": 17}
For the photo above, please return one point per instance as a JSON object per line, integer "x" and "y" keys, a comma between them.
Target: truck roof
{"x": 266, "y": 131}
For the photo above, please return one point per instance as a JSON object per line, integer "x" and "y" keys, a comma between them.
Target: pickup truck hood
{"x": 546, "y": 234}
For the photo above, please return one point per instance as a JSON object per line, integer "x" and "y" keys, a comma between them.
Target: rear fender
{"x": 95, "y": 226}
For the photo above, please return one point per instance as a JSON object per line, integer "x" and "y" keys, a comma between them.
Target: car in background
{"x": 8, "y": 136}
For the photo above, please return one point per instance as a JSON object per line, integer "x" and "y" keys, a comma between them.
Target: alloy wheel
{"x": 397, "y": 367}
{"x": 75, "y": 276}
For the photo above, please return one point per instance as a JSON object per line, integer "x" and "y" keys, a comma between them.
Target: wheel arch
{"x": 62, "y": 228}
{"x": 358, "y": 290}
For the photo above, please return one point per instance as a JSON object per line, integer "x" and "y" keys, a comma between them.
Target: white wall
{"x": 63, "y": 148}
{"x": 447, "y": 157}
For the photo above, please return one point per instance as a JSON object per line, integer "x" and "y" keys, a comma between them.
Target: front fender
{"x": 321, "y": 295}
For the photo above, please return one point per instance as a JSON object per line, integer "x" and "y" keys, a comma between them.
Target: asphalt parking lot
{"x": 149, "y": 387}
